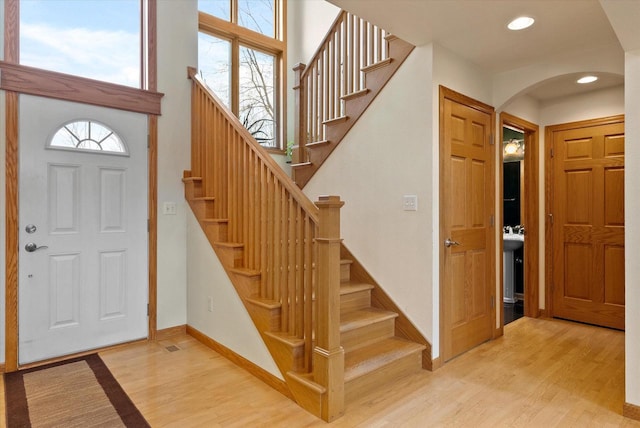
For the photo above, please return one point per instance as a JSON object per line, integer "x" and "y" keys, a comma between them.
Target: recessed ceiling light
{"x": 521, "y": 23}
{"x": 587, "y": 79}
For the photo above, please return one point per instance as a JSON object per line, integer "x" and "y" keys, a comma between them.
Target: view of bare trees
{"x": 256, "y": 69}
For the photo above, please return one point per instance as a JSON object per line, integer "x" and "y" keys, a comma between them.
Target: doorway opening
{"x": 519, "y": 244}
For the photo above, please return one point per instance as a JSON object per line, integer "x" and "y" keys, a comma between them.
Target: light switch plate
{"x": 169, "y": 208}
{"x": 410, "y": 202}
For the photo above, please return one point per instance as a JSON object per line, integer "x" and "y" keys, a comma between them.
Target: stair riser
{"x": 345, "y": 272}
{"x": 192, "y": 189}
{"x": 216, "y": 232}
{"x": 246, "y": 286}
{"x": 359, "y": 337}
{"x": 266, "y": 319}
{"x": 355, "y": 301}
{"x": 404, "y": 366}
{"x": 287, "y": 358}
{"x": 202, "y": 208}
{"x": 230, "y": 257}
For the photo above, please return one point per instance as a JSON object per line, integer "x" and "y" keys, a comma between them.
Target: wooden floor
{"x": 542, "y": 373}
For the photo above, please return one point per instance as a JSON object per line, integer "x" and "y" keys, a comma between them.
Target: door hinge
{"x": 148, "y": 141}
{"x": 491, "y": 220}
{"x": 551, "y": 153}
{"x": 148, "y": 225}
{"x": 550, "y": 219}
{"x": 147, "y": 309}
{"x": 491, "y": 140}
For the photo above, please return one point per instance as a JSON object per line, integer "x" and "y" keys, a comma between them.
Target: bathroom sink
{"x": 512, "y": 241}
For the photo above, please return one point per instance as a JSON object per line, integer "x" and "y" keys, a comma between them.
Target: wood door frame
{"x": 549, "y": 135}
{"x": 446, "y": 93}
{"x": 12, "y": 250}
{"x": 531, "y": 220}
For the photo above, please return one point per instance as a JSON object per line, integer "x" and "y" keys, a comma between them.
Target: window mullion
{"x": 235, "y": 76}
{"x": 234, "y": 11}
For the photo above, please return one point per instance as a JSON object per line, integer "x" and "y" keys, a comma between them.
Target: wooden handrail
{"x": 293, "y": 244}
{"x": 335, "y": 71}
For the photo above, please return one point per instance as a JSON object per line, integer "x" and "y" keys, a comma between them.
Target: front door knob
{"x": 32, "y": 246}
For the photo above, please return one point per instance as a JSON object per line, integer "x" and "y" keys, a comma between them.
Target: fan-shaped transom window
{"x": 88, "y": 136}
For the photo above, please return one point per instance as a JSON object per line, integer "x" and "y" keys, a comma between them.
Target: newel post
{"x": 300, "y": 115}
{"x": 328, "y": 355}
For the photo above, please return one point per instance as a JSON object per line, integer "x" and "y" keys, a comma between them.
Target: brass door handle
{"x": 448, "y": 243}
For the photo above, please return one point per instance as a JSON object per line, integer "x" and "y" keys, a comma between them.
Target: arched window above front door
{"x": 88, "y": 136}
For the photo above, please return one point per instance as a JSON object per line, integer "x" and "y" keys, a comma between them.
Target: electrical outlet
{"x": 169, "y": 208}
{"x": 210, "y": 304}
{"x": 410, "y": 202}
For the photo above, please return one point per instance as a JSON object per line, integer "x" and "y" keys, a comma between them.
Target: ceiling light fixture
{"x": 521, "y": 23}
{"x": 587, "y": 79}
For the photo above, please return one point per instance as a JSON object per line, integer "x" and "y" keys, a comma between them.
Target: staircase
{"x": 373, "y": 353}
{"x": 323, "y": 321}
{"x": 354, "y": 62}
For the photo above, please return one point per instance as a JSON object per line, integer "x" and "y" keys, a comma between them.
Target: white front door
{"x": 83, "y": 265}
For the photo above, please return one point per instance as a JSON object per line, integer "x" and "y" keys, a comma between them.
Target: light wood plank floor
{"x": 542, "y": 373}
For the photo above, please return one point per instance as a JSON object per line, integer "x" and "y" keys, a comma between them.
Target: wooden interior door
{"x": 466, "y": 215}
{"x": 588, "y": 222}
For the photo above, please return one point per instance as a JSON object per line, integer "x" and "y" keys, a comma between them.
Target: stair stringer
{"x": 287, "y": 352}
{"x": 376, "y": 78}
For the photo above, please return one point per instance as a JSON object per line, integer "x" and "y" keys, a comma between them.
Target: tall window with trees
{"x": 241, "y": 48}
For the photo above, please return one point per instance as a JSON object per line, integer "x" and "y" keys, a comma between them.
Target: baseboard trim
{"x": 631, "y": 411}
{"x": 2, "y": 368}
{"x": 166, "y": 333}
{"x": 436, "y": 363}
{"x": 257, "y": 371}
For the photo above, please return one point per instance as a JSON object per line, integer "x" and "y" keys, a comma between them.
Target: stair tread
{"x": 204, "y": 198}
{"x": 354, "y": 287}
{"x": 369, "y": 358}
{"x": 317, "y": 144}
{"x": 356, "y": 94}
{"x": 246, "y": 271}
{"x": 346, "y": 261}
{"x": 188, "y": 179}
{"x": 301, "y": 164}
{"x": 215, "y": 220}
{"x": 377, "y": 65}
{"x": 229, "y": 244}
{"x": 265, "y": 303}
{"x": 285, "y": 337}
{"x": 338, "y": 119}
{"x": 362, "y": 317}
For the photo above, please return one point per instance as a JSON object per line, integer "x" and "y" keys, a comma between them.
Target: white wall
{"x": 388, "y": 154}
{"x": 177, "y": 49}
{"x": 228, "y": 323}
{"x": 632, "y": 228}
{"x": 591, "y": 105}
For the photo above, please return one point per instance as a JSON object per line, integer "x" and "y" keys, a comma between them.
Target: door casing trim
{"x": 531, "y": 214}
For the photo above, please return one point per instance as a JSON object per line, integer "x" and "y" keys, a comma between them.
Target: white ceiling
{"x": 477, "y": 31}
